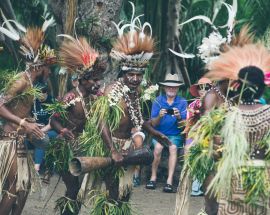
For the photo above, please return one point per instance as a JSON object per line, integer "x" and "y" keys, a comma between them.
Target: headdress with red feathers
{"x": 134, "y": 48}
{"x": 76, "y": 55}
{"x": 31, "y": 41}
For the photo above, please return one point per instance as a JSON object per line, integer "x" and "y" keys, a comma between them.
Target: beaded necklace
{"x": 120, "y": 90}
{"x": 221, "y": 95}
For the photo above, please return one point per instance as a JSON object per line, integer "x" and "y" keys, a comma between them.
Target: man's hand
{"x": 177, "y": 113}
{"x": 66, "y": 133}
{"x": 33, "y": 128}
{"x": 117, "y": 157}
{"x": 163, "y": 139}
{"x": 162, "y": 112}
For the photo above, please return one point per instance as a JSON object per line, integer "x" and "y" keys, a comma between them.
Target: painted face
{"x": 93, "y": 85}
{"x": 133, "y": 79}
{"x": 171, "y": 91}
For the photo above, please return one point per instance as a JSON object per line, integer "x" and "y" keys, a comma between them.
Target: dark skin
{"x": 13, "y": 112}
{"x": 212, "y": 100}
{"x": 74, "y": 125}
{"x": 9, "y": 111}
{"x": 76, "y": 116}
{"x": 132, "y": 79}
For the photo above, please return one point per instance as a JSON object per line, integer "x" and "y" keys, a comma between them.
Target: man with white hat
{"x": 167, "y": 111}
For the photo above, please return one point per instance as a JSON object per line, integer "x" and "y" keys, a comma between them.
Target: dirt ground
{"x": 145, "y": 202}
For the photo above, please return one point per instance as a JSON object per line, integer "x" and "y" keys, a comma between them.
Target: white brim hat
{"x": 171, "y": 81}
{"x": 171, "y": 84}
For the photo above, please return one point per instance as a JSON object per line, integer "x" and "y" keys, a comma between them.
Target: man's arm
{"x": 106, "y": 134}
{"x": 161, "y": 138}
{"x": 56, "y": 122}
{"x": 156, "y": 113}
{"x": 107, "y": 139}
{"x": 17, "y": 87}
{"x": 209, "y": 102}
{"x": 60, "y": 129}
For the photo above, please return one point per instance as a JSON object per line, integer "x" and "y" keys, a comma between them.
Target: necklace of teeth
{"x": 86, "y": 113}
{"x": 134, "y": 110}
{"x": 120, "y": 90}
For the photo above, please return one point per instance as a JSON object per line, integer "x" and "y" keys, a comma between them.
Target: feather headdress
{"x": 30, "y": 40}
{"x": 211, "y": 45}
{"x": 134, "y": 48}
{"x": 77, "y": 55}
{"x": 228, "y": 65}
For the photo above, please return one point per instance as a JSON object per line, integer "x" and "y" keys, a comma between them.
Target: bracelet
{"x": 22, "y": 121}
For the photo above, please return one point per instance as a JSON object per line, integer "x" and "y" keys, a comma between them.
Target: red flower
{"x": 267, "y": 78}
{"x": 57, "y": 115}
{"x": 69, "y": 97}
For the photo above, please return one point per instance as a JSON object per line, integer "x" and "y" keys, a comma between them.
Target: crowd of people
{"x": 224, "y": 131}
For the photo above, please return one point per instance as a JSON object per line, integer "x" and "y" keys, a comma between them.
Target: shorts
{"x": 176, "y": 140}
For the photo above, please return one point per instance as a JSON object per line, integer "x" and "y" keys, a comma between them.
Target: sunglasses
{"x": 204, "y": 87}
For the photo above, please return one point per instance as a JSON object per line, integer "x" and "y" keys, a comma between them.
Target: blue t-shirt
{"x": 168, "y": 123}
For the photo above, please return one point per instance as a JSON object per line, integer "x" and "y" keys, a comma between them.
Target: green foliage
{"x": 57, "y": 107}
{"x": 28, "y": 12}
{"x": 58, "y": 155}
{"x": 31, "y": 92}
{"x": 200, "y": 157}
{"x": 266, "y": 95}
{"x": 26, "y": 96}
{"x": 234, "y": 152}
{"x": 91, "y": 143}
{"x": 254, "y": 13}
{"x": 6, "y": 78}
{"x": 102, "y": 205}
{"x": 200, "y": 162}
{"x": 64, "y": 204}
{"x": 256, "y": 182}
{"x": 102, "y": 111}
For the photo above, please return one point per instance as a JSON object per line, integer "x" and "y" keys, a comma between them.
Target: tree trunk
{"x": 164, "y": 18}
{"x": 173, "y": 63}
{"x": 94, "y": 22}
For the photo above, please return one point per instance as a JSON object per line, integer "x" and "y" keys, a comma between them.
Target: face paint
{"x": 133, "y": 79}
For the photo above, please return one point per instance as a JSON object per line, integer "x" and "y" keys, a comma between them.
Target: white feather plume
{"x": 9, "y": 26}
{"x": 199, "y": 17}
{"x": 18, "y": 25}
{"x": 183, "y": 55}
{"x": 10, "y": 34}
{"x": 47, "y": 23}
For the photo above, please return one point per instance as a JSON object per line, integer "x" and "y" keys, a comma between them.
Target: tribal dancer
{"x": 116, "y": 113}
{"x": 15, "y": 108}
{"x": 77, "y": 56}
{"x": 241, "y": 181}
{"x": 235, "y": 145}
